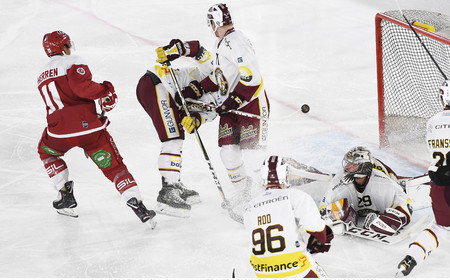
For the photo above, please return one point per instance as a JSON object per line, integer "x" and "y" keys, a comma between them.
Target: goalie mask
{"x": 274, "y": 172}
{"x": 54, "y": 43}
{"x": 444, "y": 93}
{"x": 357, "y": 163}
{"x": 219, "y": 15}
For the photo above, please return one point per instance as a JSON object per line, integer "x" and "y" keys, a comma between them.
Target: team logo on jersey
{"x": 221, "y": 81}
{"x": 85, "y": 124}
{"x": 240, "y": 59}
{"x": 224, "y": 131}
{"x": 102, "y": 158}
{"x": 81, "y": 71}
{"x": 248, "y": 132}
{"x": 50, "y": 151}
{"x": 246, "y": 74}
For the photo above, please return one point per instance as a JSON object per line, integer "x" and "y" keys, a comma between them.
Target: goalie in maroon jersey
{"x": 69, "y": 94}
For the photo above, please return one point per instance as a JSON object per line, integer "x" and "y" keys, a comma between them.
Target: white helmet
{"x": 357, "y": 162}
{"x": 220, "y": 15}
{"x": 444, "y": 93}
{"x": 274, "y": 172}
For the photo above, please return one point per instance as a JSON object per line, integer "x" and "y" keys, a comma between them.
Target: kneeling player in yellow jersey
{"x": 273, "y": 220}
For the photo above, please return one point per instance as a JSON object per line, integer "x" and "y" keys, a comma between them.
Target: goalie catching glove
{"x": 108, "y": 102}
{"x": 192, "y": 122}
{"x": 389, "y": 223}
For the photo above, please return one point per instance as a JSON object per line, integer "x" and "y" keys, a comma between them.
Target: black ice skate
{"x": 170, "y": 202}
{"x": 406, "y": 265}
{"x": 191, "y": 197}
{"x": 142, "y": 212}
{"x": 65, "y": 202}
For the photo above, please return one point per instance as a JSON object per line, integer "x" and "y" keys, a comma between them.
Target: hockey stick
{"x": 250, "y": 115}
{"x": 416, "y": 181}
{"x": 420, "y": 40}
{"x": 353, "y": 230}
{"x": 236, "y": 112}
{"x": 233, "y": 215}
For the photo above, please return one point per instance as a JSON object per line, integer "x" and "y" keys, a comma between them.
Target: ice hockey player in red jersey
{"x": 236, "y": 84}
{"x": 439, "y": 171}
{"x": 69, "y": 94}
{"x": 363, "y": 191}
{"x": 272, "y": 221}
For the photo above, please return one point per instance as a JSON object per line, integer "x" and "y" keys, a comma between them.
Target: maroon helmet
{"x": 220, "y": 15}
{"x": 54, "y": 43}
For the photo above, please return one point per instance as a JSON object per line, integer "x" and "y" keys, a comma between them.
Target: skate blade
{"x": 68, "y": 212}
{"x": 170, "y": 211}
{"x": 191, "y": 200}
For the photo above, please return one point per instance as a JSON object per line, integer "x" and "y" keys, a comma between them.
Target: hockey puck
{"x": 305, "y": 108}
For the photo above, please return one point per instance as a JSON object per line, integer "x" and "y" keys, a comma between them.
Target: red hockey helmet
{"x": 220, "y": 15}
{"x": 274, "y": 172}
{"x": 54, "y": 43}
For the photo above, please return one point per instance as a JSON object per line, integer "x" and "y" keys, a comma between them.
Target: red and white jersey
{"x": 438, "y": 140}
{"x": 236, "y": 68}
{"x": 380, "y": 193}
{"x": 68, "y": 91}
{"x": 272, "y": 221}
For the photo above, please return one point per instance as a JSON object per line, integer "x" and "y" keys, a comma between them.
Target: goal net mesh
{"x": 408, "y": 92}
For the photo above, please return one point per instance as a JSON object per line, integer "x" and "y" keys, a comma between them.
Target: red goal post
{"x": 407, "y": 79}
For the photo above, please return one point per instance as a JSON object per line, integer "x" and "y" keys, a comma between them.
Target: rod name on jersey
{"x": 439, "y": 143}
{"x": 272, "y": 200}
{"x": 264, "y": 219}
{"x": 47, "y": 74}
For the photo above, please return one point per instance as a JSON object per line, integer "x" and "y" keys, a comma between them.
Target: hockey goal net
{"x": 408, "y": 80}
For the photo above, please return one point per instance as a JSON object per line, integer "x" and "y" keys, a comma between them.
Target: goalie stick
{"x": 353, "y": 230}
{"x": 234, "y": 216}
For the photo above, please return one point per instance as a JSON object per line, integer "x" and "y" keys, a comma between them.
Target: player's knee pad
{"x": 57, "y": 171}
{"x": 124, "y": 181}
{"x": 172, "y": 146}
{"x": 231, "y": 156}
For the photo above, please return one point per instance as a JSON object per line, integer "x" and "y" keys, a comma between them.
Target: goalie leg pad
{"x": 390, "y": 222}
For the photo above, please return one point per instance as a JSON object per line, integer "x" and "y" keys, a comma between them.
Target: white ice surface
{"x": 317, "y": 52}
